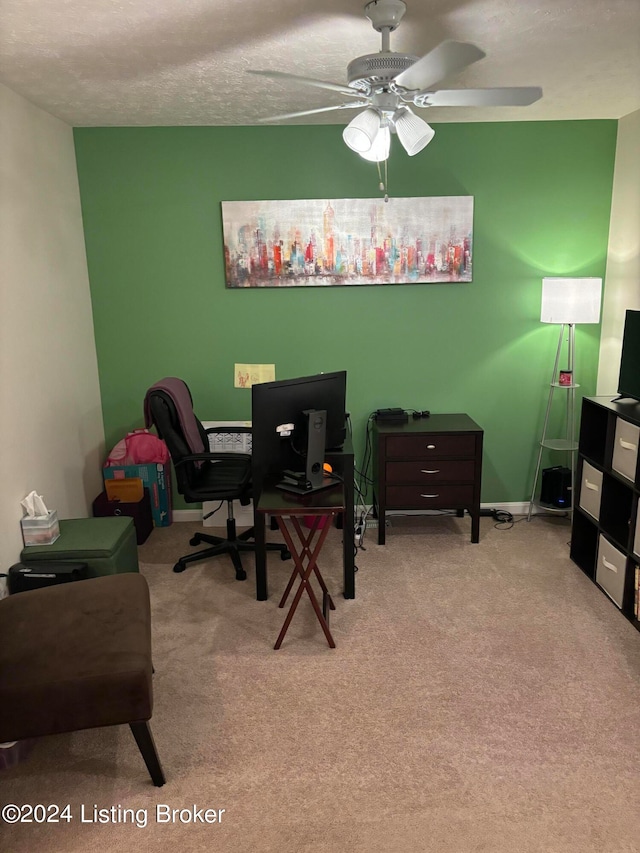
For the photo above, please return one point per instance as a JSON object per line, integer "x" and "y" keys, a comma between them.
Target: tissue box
{"x": 40, "y": 531}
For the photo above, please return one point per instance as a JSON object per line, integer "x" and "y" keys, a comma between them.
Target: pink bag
{"x": 138, "y": 448}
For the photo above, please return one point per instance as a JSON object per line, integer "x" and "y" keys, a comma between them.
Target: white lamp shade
{"x": 413, "y": 132}
{"x": 379, "y": 151}
{"x": 571, "y": 300}
{"x": 360, "y": 133}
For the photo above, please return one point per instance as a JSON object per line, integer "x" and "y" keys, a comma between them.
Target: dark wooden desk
{"x": 304, "y": 545}
{"x": 342, "y": 462}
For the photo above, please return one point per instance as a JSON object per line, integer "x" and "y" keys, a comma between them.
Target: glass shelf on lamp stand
{"x": 568, "y": 444}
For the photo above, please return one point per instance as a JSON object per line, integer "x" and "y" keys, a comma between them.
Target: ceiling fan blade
{"x": 309, "y": 81}
{"x": 349, "y": 106}
{"x": 515, "y": 96}
{"x": 447, "y": 58}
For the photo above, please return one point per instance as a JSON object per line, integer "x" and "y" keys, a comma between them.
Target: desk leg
{"x": 475, "y": 524}
{"x": 348, "y": 532}
{"x": 262, "y": 592}
{"x": 379, "y": 513}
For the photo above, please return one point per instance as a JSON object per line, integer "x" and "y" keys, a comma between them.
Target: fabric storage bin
{"x": 625, "y": 449}
{"x": 590, "y": 490}
{"x": 107, "y": 545}
{"x": 610, "y": 570}
{"x": 138, "y": 510}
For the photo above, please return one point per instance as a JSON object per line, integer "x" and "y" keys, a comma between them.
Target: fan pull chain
{"x": 383, "y": 186}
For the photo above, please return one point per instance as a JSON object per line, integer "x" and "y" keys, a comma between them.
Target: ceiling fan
{"x": 386, "y": 84}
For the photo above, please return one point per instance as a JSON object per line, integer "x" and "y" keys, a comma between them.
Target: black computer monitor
{"x": 276, "y": 404}
{"x": 629, "y": 377}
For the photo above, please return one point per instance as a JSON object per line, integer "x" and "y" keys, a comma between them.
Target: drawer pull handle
{"x": 627, "y": 445}
{"x": 592, "y": 486}
{"x": 425, "y": 471}
{"x": 610, "y": 566}
{"x": 429, "y": 496}
{"x": 431, "y": 447}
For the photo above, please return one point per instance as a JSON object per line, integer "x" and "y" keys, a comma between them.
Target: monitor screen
{"x": 629, "y": 378}
{"x": 274, "y": 404}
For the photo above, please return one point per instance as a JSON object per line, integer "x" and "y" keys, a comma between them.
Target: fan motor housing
{"x": 377, "y": 68}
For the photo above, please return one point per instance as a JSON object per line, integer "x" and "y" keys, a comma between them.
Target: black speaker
{"x": 556, "y": 487}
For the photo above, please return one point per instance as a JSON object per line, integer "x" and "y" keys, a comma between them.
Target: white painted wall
{"x": 622, "y": 283}
{"x": 51, "y": 433}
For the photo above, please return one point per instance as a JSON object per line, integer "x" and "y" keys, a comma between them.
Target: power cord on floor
{"x": 503, "y": 518}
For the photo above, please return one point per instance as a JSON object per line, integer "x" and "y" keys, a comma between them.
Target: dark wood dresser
{"x": 430, "y": 463}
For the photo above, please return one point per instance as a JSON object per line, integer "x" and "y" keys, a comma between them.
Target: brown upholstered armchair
{"x": 78, "y": 656}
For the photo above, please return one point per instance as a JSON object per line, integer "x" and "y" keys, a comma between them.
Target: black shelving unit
{"x": 605, "y": 534}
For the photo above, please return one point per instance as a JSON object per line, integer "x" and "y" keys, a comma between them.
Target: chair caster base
{"x": 179, "y": 567}
{"x": 195, "y": 540}
{"x": 285, "y": 555}
{"x": 241, "y": 575}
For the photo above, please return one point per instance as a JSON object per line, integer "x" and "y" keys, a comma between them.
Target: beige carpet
{"x": 480, "y": 698}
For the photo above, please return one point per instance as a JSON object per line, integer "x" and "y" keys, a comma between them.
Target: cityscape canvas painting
{"x": 322, "y": 243}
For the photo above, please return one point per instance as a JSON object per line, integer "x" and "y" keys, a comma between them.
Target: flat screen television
{"x": 274, "y": 404}
{"x": 629, "y": 378}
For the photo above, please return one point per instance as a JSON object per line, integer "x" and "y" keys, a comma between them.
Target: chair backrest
{"x": 166, "y": 419}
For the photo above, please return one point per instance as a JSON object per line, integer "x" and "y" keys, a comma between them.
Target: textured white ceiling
{"x": 183, "y": 62}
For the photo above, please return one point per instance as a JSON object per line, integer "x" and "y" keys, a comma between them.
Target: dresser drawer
{"x": 447, "y": 496}
{"x": 625, "y": 449}
{"x": 610, "y": 570}
{"x": 591, "y": 490}
{"x": 428, "y": 446}
{"x": 421, "y": 471}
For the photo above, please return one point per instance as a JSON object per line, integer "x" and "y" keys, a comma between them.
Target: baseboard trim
{"x": 187, "y": 515}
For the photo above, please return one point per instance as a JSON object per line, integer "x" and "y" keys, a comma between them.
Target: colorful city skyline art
{"x": 329, "y": 242}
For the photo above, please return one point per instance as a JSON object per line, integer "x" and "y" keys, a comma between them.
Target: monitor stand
{"x": 313, "y": 478}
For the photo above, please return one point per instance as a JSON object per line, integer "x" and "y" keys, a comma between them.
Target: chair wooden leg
{"x": 144, "y": 739}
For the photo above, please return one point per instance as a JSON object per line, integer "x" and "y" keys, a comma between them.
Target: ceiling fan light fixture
{"x": 413, "y": 132}
{"x": 379, "y": 151}
{"x": 361, "y": 131}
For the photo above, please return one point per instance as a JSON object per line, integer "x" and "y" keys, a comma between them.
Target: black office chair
{"x": 206, "y": 476}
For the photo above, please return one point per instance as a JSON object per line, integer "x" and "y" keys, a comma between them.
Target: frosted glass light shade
{"x": 360, "y": 133}
{"x": 413, "y": 132}
{"x": 379, "y": 151}
{"x": 571, "y": 300}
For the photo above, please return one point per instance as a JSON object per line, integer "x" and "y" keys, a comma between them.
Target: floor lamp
{"x": 565, "y": 302}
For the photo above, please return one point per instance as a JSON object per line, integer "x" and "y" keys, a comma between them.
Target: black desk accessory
{"x": 391, "y": 416}
{"x": 313, "y": 478}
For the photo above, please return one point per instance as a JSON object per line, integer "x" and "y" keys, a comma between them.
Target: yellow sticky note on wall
{"x": 246, "y": 375}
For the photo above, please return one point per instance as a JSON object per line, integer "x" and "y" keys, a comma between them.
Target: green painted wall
{"x": 151, "y": 206}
